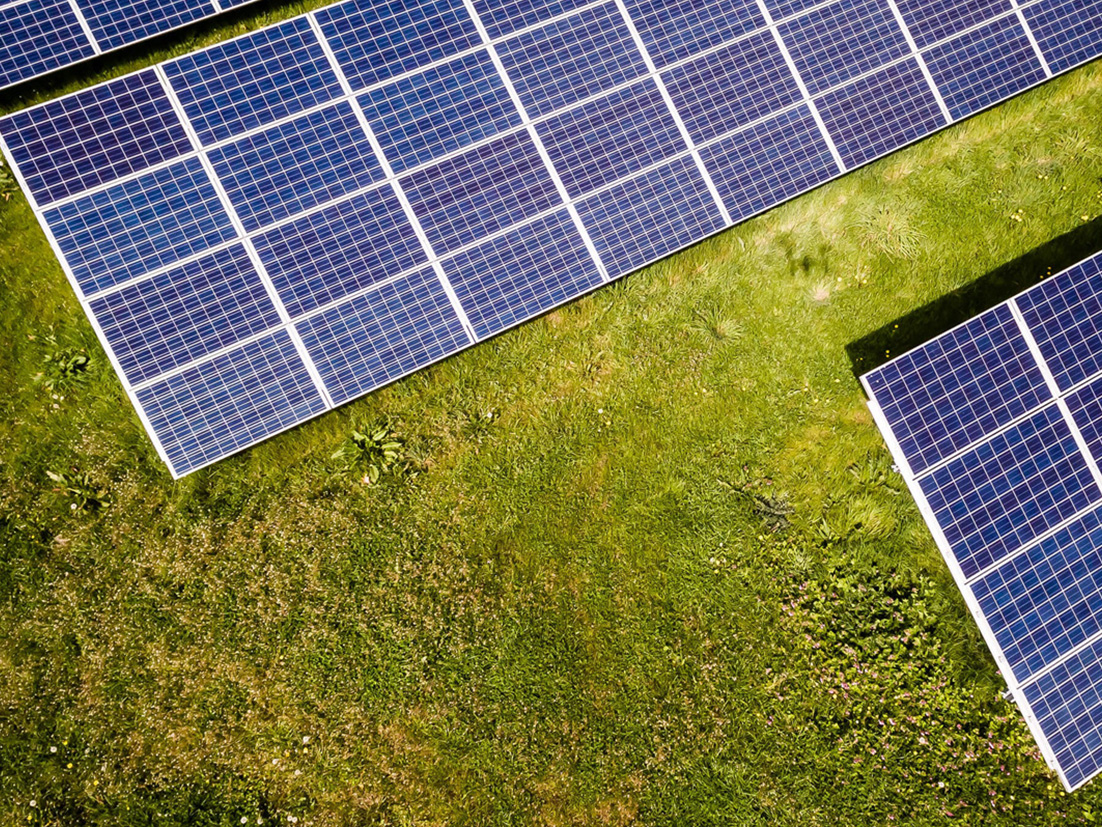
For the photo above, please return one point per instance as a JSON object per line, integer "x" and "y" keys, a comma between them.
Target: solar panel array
{"x": 39, "y": 36}
{"x": 997, "y": 428}
{"x": 271, "y": 226}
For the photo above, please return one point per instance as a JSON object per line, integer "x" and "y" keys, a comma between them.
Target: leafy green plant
{"x": 62, "y": 366}
{"x": 79, "y": 487}
{"x": 374, "y": 451}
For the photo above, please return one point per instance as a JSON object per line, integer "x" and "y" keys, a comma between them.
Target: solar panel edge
{"x": 945, "y": 549}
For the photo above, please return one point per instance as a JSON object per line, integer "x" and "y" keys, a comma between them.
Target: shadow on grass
{"x": 934, "y": 318}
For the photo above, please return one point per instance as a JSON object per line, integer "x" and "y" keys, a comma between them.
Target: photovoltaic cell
{"x": 377, "y": 337}
{"x": 115, "y": 23}
{"x": 769, "y": 162}
{"x": 185, "y": 313}
{"x": 953, "y": 391}
{"x": 374, "y": 41}
{"x": 984, "y": 66}
{"x": 296, "y": 165}
{"x": 611, "y": 137}
{"x": 1085, "y": 406}
{"x": 1069, "y": 31}
{"x": 673, "y": 30}
{"x": 445, "y": 108}
{"x": 502, "y": 17}
{"x": 73, "y": 143}
{"x": 252, "y": 80}
{"x": 521, "y": 273}
{"x": 732, "y": 87}
{"x": 230, "y": 401}
{"x": 338, "y": 250}
{"x": 879, "y": 113}
{"x": 646, "y": 217}
{"x": 486, "y": 189}
{"x": 39, "y": 36}
{"x": 930, "y": 21}
{"x": 575, "y": 58}
{"x": 139, "y": 225}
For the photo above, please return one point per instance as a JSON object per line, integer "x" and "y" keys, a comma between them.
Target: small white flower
{"x": 306, "y": 739}
{"x": 53, "y": 749}
{"x": 244, "y": 819}
{"x": 34, "y": 803}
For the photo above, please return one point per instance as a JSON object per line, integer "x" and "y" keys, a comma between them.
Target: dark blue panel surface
{"x": 230, "y": 401}
{"x": 574, "y": 58}
{"x": 375, "y": 338}
{"x": 480, "y": 192}
{"x": 766, "y": 164}
{"x": 185, "y": 313}
{"x": 39, "y": 36}
{"x": 610, "y": 138}
{"x": 644, "y": 218}
{"x": 1005, "y": 492}
{"x": 297, "y": 165}
{"x": 423, "y": 116}
{"x": 522, "y": 273}
{"x": 1044, "y": 602}
{"x": 252, "y": 80}
{"x": 139, "y": 225}
{"x": 1064, "y": 314}
{"x": 1085, "y": 405}
{"x": 932, "y": 20}
{"x": 958, "y": 388}
{"x": 730, "y": 88}
{"x": 984, "y": 66}
{"x": 673, "y": 30}
{"x": 338, "y": 250}
{"x": 1068, "y": 705}
{"x": 502, "y": 17}
{"x": 374, "y": 40}
{"x": 780, "y": 9}
{"x": 837, "y": 42}
{"x": 1069, "y": 32}
{"x": 71, "y": 144}
{"x": 874, "y": 115}
{"x": 115, "y": 23}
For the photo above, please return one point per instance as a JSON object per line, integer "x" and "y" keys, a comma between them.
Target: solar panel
{"x": 355, "y": 193}
{"x": 996, "y": 426}
{"x": 40, "y": 36}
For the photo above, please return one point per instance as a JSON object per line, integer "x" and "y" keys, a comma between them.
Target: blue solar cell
{"x": 984, "y": 66}
{"x": 380, "y": 336}
{"x": 1007, "y": 491}
{"x": 673, "y": 30}
{"x": 77, "y": 142}
{"x": 297, "y": 165}
{"x": 338, "y": 250}
{"x": 1069, "y": 32}
{"x": 959, "y": 388}
{"x": 781, "y": 9}
{"x": 37, "y": 37}
{"x": 1044, "y": 602}
{"x": 522, "y": 273}
{"x": 139, "y": 225}
{"x": 730, "y": 88}
{"x": 770, "y": 162}
{"x": 374, "y": 40}
{"x": 115, "y": 23}
{"x": 426, "y": 115}
{"x": 185, "y": 313}
{"x": 230, "y": 401}
{"x": 932, "y": 20}
{"x": 876, "y": 114}
{"x": 644, "y": 218}
{"x": 1064, "y": 314}
{"x": 1067, "y": 703}
{"x": 837, "y": 42}
{"x": 1085, "y": 405}
{"x": 571, "y": 59}
{"x": 612, "y": 137}
{"x": 252, "y": 80}
{"x": 481, "y": 191}
{"x": 502, "y": 17}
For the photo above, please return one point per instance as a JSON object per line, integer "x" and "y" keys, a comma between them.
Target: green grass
{"x": 644, "y": 561}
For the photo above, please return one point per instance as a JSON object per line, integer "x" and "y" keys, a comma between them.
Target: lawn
{"x": 642, "y": 560}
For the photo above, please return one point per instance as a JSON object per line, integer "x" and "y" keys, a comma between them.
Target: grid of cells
{"x": 932, "y": 22}
{"x": 1069, "y": 31}
{"x": 117, "y": 23}
{"x": 674, "y": 30}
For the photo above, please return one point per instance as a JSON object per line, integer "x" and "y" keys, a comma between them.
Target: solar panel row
{"x": 436, "y": 172}
{"x": 39, "y": 36}
{"x": 997, "y": 428}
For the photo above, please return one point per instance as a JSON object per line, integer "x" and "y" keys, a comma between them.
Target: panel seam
{"x": 1031, "y": 37}
{"x": 86, "y": 26}
{"x": 913, "y": 46}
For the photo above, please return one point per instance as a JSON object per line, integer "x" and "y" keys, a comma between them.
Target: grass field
{"x": 642, "y": 560}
